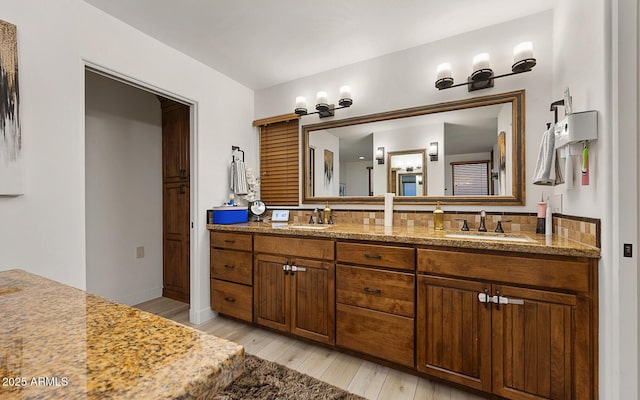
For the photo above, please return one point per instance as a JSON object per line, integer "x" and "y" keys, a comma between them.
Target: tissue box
{"x": 227, "y": 215}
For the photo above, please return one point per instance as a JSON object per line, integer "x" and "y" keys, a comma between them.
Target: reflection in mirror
{"x": 405, "y": 173}
{"x": 480, "y": 154}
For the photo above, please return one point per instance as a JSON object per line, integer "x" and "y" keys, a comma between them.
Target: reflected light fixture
{"x": 380, "y": 155}
{"x": 433, "y": 151}
{"x": 323, "y": 108}
{"x": 482, "y": 76}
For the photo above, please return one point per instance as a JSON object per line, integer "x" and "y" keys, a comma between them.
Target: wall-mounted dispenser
{"x": 577, "y": 127}
{"x": 572, "y": 136}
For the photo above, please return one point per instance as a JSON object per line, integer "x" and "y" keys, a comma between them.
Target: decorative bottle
{"x": 438, "y": 218}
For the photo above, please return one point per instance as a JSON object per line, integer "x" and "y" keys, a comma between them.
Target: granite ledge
{"x": 90, "y": 348}
{"x": 540, "y": 244}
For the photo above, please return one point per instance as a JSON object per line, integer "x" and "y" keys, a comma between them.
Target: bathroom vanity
{"x": 512, "y": 315}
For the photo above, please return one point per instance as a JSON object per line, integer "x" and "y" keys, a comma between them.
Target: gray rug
{"x": 267, "y": 380}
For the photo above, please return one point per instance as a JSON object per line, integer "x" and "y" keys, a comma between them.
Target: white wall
{"x": 321, "y": 141}
{"x": 406, "y": 79}
{"x": 602, "y": 35}
{"x": 123, "y": 158}
{"x": 356, "y": 177}
{"x": 44, "y": 230}
{"x": 505, "y": 125}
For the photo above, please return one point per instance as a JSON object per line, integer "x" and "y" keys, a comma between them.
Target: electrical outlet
{"x": 556, "y": 204}
{"x": 140, "y": 252}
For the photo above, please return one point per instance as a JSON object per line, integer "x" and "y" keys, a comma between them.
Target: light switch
{"x": 140, "y": 252}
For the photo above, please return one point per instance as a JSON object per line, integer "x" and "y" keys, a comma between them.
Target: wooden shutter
{"x": 280, "y": 163}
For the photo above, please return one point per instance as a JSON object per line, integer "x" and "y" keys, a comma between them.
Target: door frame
{"x": 194, "y": 290}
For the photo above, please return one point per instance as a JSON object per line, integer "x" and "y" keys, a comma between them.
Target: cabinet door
{"x": 175, "y": 246}
{"x": 532, "y": 348}
{"x": 454, "y": 331}
{"x": 313, "y": 300}
{"x": 175, "y": 141}
{"x": 271, "y": 292}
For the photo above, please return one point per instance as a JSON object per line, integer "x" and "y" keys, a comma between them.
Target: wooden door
{"x": 175, "y": 247}
{"x": 271, "y": 292}
{"x": 532, "y": 348}
{"x": 454, "y": 331}
{"x": 313, "y": 300}
{"x": 175, "y": 141}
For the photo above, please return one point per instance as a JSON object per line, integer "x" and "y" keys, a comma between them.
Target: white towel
{"x": 545, "y": 171}
{"x": 238, "y": 177}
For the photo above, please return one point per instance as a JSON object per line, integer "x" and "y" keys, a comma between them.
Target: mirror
{"x": 405, "y": 174}
{"x": 469, "y": 151}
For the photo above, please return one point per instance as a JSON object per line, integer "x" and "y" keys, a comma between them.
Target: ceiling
{"x": 264, "y": 43}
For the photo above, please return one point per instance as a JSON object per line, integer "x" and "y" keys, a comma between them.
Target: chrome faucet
{"x": 483, "y": 216}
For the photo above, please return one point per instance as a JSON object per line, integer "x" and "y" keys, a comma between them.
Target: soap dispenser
{"x": 438, "y": 218}
{"x": 327, "y": 213}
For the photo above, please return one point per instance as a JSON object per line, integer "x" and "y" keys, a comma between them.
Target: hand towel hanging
{"x": 545, "y": 170}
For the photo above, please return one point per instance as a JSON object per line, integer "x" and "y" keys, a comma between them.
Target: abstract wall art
{"x": 328, "y": 168}
{"x": 11, "y": 168}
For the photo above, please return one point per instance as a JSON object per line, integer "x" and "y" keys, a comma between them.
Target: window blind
{"x": 470, "y": 178}
{"x": 280, "y": 163}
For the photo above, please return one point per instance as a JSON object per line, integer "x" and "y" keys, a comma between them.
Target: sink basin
{"x": 496, "y": 238}
{"x": 309, "y": 227}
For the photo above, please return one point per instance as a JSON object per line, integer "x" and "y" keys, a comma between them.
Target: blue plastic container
{"x": 227, "y": 215}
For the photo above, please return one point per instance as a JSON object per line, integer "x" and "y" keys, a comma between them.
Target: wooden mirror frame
{"x": 517, "y": 100}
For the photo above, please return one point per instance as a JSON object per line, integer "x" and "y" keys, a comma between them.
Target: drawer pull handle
{"x": 229, "y": 241}
{"x": 229, "y": 266}
{"x": 230, "y": 299}
{"x": 376, "y": 256}
{"x": 374, "y": 291}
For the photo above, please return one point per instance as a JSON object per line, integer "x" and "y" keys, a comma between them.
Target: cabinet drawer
{"x": 381, "y": 256}
{"x": 230, "y": 240}
{"x": 543, "y": 272}
{"x": 230, "y": 265}
{"x": 379, "y": 334}
{"x": 293, "y": 246}
{"x": 387, "y": 291}
{"x": 232, "y": 299}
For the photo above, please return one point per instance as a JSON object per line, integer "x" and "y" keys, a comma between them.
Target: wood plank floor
{"x": 365, "y": 378}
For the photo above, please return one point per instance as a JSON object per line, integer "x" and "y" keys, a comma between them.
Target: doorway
{"x": 129, "y": 250}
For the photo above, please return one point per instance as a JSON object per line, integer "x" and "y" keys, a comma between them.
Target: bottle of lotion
{"x": 438, "y": 218}
{"x": 548, "y": 228}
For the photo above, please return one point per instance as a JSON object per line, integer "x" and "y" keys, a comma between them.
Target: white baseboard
{"x": 201, "y": 316}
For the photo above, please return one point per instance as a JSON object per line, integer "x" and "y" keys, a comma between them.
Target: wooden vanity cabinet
{"x": 231, "y": 271}
{"x": 375, "y": 300}
{"x": 530, "y": 342}
{"x": 293, "y": 292}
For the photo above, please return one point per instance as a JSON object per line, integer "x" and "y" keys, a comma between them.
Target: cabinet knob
{"x": 230, "y": 299}
{"x": 229, "y": 266}
{"x": 374, "y": 291}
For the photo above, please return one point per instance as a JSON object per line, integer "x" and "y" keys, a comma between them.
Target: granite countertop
{"x": 521, "y": 242}
{"x": 58, "y": 342}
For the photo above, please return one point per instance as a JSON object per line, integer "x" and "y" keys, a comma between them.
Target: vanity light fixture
{"x": 482, "y": 76}
{"x": 433, "y": 151}
{"x": 324, "y": 109}
{"x": 380, "y": 155}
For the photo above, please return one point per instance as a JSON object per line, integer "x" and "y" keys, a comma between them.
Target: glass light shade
{"x": 443, "y": 71}
{"x": 301, "y": 105}
{"x": 345, "y": 96}
{"x": 523, "y": 51}
{"x": 481, "y": 61}
{"x": 301, "y": 102}
{"x": 321, "y": 98}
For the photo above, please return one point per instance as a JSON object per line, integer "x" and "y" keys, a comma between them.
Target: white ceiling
{"x": 261, "y": 43}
